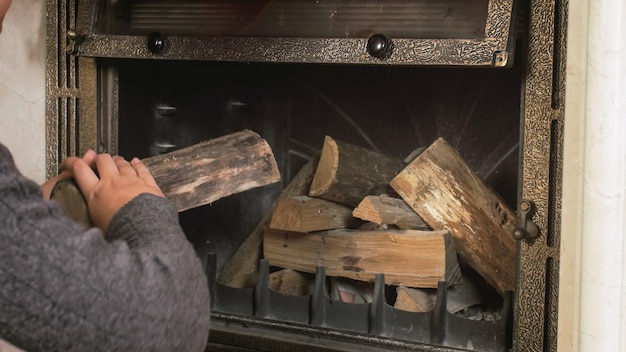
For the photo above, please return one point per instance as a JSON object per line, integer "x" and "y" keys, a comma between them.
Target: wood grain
{"x": 241, "y": 269}
{"x": 214, "y": 169}
{"x": 407, "y": 257}
{"x": 347, "y": 173}
{"x": 390, "y": 211}
{"x": 448, "y": 195}
{"x": 307, "y": 214}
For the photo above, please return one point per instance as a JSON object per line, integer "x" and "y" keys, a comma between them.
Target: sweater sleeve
{"x": 66, "y": 288}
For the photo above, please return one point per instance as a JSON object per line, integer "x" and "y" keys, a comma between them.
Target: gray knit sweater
{"x": 67, "y": 288}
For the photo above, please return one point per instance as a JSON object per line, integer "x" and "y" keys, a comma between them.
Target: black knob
{"x": 155, "y": 42}
{"x": 379, "y": 46}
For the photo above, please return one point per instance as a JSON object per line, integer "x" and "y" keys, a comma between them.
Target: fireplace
{"x": 141, "y": 78}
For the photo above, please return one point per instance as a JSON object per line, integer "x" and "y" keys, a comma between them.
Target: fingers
{"x": 89, "y": 156}
{"x": 140, "y": 168}
{"x": 105, "y": 165}
{"x": 85, "y": 177}
{"x": 142, "y": 172}
{"x": 124, "y": 166}
{"x": 66, "y": 164}
{"x": 46, "y": 187}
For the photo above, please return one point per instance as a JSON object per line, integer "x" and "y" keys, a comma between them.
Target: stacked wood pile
{"x": 358, "y": 213}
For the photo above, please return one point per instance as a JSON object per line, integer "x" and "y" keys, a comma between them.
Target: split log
{"x": 390, "y": 211}
{"x": 417, "y": 151}
{"x": 241, "y": 269}
{"x": 291, "y": 282}
{"x": 350, "y": 291}
{"x": 420, "y": 300}
{"x": 447, "y": 194}
{"x": 211, "y": 170}
{"x": 306, "y": 214}
{"x": 346, "y": 173}
{"x": 407, "y": 257}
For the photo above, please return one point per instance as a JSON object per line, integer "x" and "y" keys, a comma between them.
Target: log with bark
{"x": 410, "y": 258}
{"x": 214, "y": 169}
{"x": 450, "y": 196}
{"x": 194, "y": 176}
{"x": 346, "y": 173}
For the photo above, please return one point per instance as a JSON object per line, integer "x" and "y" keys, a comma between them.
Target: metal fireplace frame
{"x": 76, "y": 87}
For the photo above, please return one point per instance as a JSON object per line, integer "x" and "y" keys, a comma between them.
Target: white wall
{"x": 22, "y": 90}
{"x": 592, "y": 297}
{"x": 22, "y": 86}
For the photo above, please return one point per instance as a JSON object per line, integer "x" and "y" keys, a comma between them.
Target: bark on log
{"x": 448, "y": 195}
{"x": 307, "y": 214}
{"x": 241, "y": 269}
{"x": 390, "y": 211}
{"x": 346, "y": 173}
{"x": 211, "y": 170}
{"x": 407, "y": 257}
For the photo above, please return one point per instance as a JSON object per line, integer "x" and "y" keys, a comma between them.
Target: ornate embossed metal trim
{"x": 71, "y": 119}
{"x": 488, "y": 51}
{"x": 74, "y": 120}
{"x": 541, "y": 177}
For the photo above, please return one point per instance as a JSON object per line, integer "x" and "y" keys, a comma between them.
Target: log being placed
{"x": 407, "y": 257}
{"x": 390, "y": 211}
{"x": 196, "y": 175}
{"x": 346, "y": 173}
{"x": 449, "y": 195}
{"x": 307, "y": 214}
{"x": 211, "y": 170}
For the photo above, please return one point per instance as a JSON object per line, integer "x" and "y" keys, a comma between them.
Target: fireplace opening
{"x": 166, "y": 105}
{"x": 142, "y": 77}
{"x": 389, "y": 109}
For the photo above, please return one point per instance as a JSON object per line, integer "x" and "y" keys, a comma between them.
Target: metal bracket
{"x": 526, "y": 229}
{"x": 75, "y": 39}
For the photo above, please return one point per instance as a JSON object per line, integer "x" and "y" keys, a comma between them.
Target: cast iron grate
{"x": 437, "y": 327}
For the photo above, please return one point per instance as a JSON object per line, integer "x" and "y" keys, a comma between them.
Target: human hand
{"x": 116, "y": 183}
{"x": 65, "y": 167}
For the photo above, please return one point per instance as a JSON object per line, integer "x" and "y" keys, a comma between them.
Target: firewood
{"x": 389, "y": 210}
{"x": 449, "y": 195}
{"x": 194, "y": 176}
{"x": 350, "y": 291}
{"x": 241, "y": 269}
{"x": 214, "y": 169}
{"x": 417, "y": 151}
{"x": 410, "y": 258}
{"x": 346, "y": 173}
{"x": 306, "y": 214}
{"x": 291, "y": 282}
{"x": 420, "y": 300}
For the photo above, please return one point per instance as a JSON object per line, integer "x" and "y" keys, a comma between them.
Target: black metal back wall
{"x": 102, "y": 93}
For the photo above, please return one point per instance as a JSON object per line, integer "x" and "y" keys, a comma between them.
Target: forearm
{"x": 65, "y": 288}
